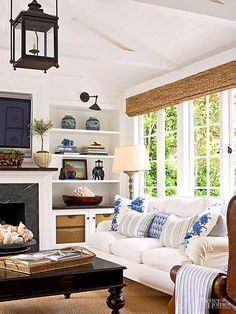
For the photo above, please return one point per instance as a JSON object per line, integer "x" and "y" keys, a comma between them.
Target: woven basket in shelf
{"x": 11, "y": 159}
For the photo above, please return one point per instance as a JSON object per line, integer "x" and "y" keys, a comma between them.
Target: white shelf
{"x": 81, "y": 131}
{"x": 83, "y": 156}
{"x": 86, "y": 181}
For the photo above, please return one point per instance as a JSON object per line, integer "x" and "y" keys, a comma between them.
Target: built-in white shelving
{"x": 108, "y": 136}
{"x": 82, "y": 131}
{"x": 85, "y": 181}
{"x": 63, "y": 156}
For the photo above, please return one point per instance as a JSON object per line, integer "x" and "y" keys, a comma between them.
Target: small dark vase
{"x": 71, "y": 174}
{"x": 68, "y": 122}
{"x": 62, "y": 174}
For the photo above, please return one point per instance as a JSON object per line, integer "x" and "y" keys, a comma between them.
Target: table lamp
{"x": 130, "y": 160}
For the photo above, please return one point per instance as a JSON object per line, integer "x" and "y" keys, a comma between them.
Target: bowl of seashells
{"x": 15, "y": 239}
{"x": 82, "y": 196}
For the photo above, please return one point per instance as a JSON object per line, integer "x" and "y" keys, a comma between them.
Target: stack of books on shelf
{"x": 66, "y": 147}
{"x": 47, "y": 260}
{"x": 93, "y": 150}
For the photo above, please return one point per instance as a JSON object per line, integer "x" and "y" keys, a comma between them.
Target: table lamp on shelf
{"x": 130, "y": 160}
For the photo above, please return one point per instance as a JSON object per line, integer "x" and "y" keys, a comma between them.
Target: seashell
{"x": 21, "y": 227}
{"x": 14, "y": 229}
{"x": 1, "y": 238}
{"x": 8, "y": 239}
{"x": 18, "y": 240}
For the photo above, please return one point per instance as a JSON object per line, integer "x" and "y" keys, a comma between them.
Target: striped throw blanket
{"x": 193, "y": 289}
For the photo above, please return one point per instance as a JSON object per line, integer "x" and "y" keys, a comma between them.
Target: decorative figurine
{"x": 98, "y": 172}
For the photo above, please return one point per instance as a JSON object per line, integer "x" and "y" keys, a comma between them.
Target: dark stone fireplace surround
{"x": 25, "y": 197}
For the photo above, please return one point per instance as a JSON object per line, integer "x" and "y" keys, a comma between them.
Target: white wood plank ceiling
{"x": 125, "y": 42}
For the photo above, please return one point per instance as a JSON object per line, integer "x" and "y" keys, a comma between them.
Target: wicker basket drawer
{"x": 70, "y": 221}
{"x": 70, "y": 235}
{"x": 102, "y": 217}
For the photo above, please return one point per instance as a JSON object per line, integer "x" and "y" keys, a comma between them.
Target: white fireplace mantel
{"x": 43, "y": 177}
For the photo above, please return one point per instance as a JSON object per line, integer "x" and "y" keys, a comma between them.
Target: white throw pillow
{"x": 202, "y": 226}
{"x": 175, "y": 230}
{"x": 135, "y": 225}
{"x": 122, "y": 205}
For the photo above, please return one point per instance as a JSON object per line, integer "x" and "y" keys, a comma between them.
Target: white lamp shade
{"x": 130, "y": 158}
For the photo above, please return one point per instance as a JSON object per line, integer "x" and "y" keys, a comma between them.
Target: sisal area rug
{"x": 139, "y": 300}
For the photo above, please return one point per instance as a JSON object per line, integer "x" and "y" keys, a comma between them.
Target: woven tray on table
{"x": 11, "y": 263}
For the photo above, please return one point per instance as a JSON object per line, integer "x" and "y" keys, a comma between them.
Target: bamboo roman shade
{"x": 204, "y": 83}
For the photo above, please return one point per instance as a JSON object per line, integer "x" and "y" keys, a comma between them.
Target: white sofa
{"x": 149, "y": 263}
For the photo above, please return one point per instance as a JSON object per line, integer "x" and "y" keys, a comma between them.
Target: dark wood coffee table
{"x": 98, "y": 275}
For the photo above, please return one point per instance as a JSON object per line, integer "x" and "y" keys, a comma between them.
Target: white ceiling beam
{"x": 196, "y": 9}
{"x": 122, "y": 57}
{"x": 204, "y": 10}
{"x": 133, "y": 50}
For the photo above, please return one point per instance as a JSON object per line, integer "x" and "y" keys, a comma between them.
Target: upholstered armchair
{"x": 224, "y": 287}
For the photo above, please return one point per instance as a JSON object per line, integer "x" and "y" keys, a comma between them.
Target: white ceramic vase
{"x": 42, "y": 159}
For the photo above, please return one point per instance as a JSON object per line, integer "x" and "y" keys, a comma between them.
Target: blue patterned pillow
{"x": 122, "y": 205}
{"x": 202, "y": 226}
{"x": 157, "y": 225}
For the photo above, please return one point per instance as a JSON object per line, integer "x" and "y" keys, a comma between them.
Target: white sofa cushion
{"x": 165, "y": 258}
{"x": 103, "y": 240}
{"x": 133, "y": 248}
{"x": 159, "y": 203}
{"x": 175, "y": 230}
{"x": 186, "y": 206}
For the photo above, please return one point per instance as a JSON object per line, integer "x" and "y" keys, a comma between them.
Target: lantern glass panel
{"x": 17, "y": 34}
{"x": 39, "y": 38}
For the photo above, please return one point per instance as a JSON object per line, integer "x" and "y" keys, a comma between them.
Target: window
{"x": 170, "y": 151}
{"x": 206, "y": 138}
{"x": 198, "y": 148}
{"x": 150, "y": 141}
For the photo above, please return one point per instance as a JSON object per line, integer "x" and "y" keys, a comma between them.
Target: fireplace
{"x": 20, "y": 202}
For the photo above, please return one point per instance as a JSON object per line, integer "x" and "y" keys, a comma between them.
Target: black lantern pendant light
{"x": 34, "y": 38}
{"x": 85, "y": 98}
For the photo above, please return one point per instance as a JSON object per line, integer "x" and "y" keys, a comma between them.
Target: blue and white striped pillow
{"x": 175, "y": 230}
{"x": 135, "y": 225}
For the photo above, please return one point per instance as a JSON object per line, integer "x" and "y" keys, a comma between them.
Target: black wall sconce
{"x": 34, "y": 38}
{"x": 85, "y": 98}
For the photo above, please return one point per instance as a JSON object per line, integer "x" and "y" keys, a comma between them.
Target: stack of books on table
{"x": 47, "y": 260}
{"x": 93, "y": 150}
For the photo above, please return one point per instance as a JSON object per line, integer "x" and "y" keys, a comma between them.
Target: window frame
{"x": 185, "y": 148}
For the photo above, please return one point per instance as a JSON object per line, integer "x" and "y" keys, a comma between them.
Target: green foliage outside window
{"x": 207, "y": 145}
{"x": 206, "y": 137}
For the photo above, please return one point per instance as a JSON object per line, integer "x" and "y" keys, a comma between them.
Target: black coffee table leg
{"x": 67, "y": 295}
{"x": 115, "y": 301}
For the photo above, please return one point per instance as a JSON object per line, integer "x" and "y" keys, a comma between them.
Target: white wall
{"x": 55, "y": 87}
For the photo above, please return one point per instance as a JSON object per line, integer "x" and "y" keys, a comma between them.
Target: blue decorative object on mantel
{"x": 68, "y": 122}
{"x": 92, "y": 124}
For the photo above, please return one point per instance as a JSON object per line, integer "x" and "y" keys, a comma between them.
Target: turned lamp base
{"x": 131, "y": 182}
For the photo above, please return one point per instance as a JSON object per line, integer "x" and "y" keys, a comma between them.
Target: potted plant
{"x": 40, "y": 127}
